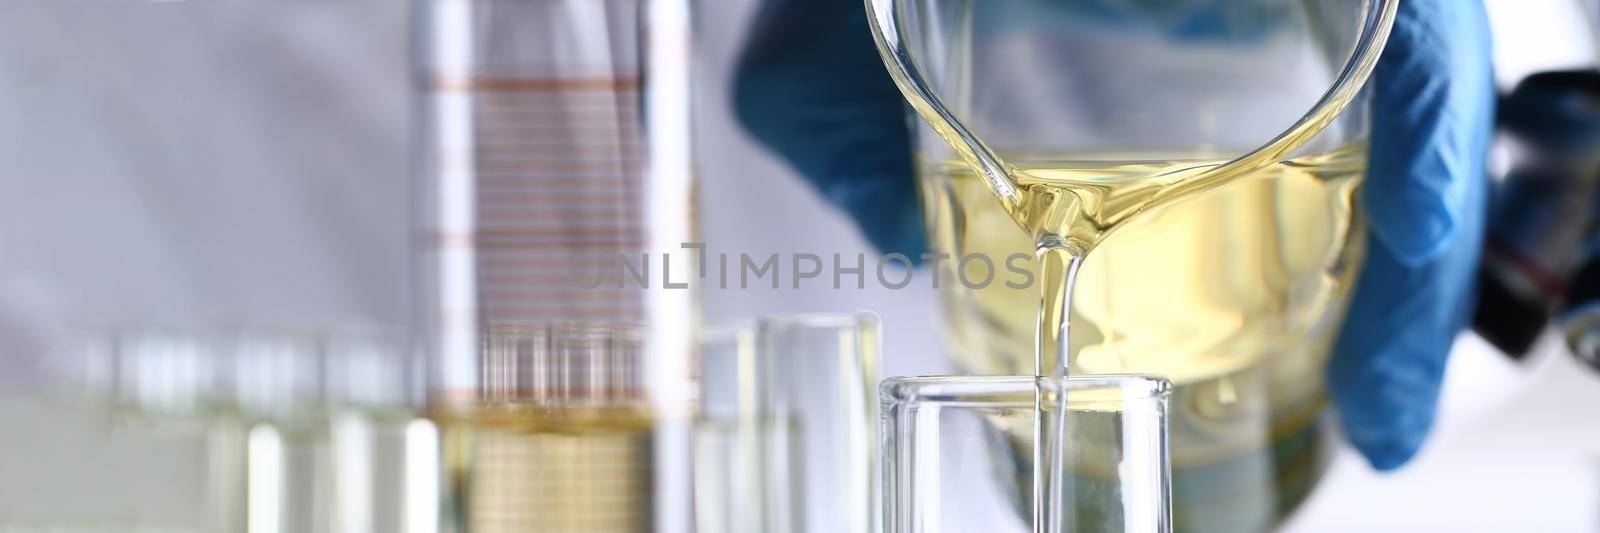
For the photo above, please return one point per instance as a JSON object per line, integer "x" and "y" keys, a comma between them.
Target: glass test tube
{"x": 958, "y": 448}
{"x": 725, "y": 432}
{"x": 785, "y": 437}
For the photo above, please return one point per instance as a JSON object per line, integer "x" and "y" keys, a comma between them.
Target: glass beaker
{"x": 956, "y": 449}
{"x": 1208, "y": 154}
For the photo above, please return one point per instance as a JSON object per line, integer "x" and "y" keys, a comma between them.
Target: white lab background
{"x": 93, "y": 233}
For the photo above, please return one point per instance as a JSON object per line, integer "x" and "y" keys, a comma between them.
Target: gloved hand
{"x": 812, "y": 87}
{"x": 1426, "y": 198}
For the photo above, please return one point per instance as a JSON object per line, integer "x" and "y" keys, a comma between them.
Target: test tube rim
{"x": 1012, "y": 391}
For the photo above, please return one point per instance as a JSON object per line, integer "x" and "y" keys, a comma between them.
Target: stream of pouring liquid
{"x": 1067, "y": 219}
{"x": 1069, "y": 208}
{"x": 1203, "y": 287}
{"x": 1068, "y": 213}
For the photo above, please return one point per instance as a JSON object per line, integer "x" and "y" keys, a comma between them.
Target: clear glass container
{"x": 957, "y": 452}
{"x": 784, "y": 439}
{"x": 727, "y": 481}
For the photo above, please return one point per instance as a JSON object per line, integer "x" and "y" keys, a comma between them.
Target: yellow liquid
{"x": 1232, "y": 290}
{"x": 511, "y": 469}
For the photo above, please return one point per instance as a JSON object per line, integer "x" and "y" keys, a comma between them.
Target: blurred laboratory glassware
{"x": 554, "y": 194}
{"x": 278, "y": 382}
{"x": 330, "y": 417}
{"x": 814, "y": 382}
{"x": 303, "y": 431}
{"x": 726, "y": 480}
{"x": 785, "y": 435}
{"x": 373, "y": 386}
{"x": 176, "y": 373}
{"x": 176, "y": 188}
{"x": 179, "y": 381}
{"x": 957, "y": 448}
{"x": 560, "y": 439}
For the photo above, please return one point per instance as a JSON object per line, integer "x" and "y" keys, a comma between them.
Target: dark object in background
{"x": 1542, "y": 258}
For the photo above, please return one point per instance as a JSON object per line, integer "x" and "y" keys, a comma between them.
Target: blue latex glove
{"x": 811, "y": 86}
{"x": 1427, "y": 198}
